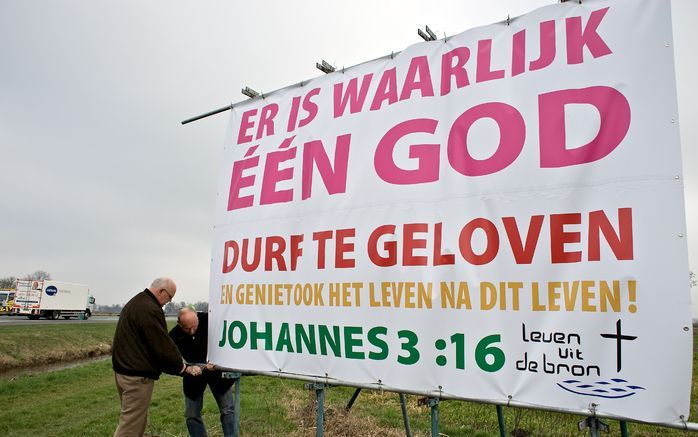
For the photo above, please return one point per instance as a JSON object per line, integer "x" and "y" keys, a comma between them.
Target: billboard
{"x": 496, "y": 216}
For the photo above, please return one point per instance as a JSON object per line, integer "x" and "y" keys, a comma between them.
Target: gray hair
{"x": 159, "y": 283}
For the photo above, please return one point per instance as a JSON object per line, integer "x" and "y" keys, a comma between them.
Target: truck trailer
{"x": 52, "y": 299}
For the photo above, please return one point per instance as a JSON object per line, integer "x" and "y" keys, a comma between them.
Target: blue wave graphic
{"x": 616, "y": 388}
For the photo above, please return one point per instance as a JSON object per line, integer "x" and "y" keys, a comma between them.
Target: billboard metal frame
{"x": 318, "y": 381}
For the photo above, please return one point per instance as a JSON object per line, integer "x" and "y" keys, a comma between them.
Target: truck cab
{"x": 7, "y": 299}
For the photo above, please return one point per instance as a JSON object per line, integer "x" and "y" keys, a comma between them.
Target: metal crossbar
{"x": 686, "y": 426}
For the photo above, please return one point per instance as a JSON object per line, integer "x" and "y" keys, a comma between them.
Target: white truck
{"x": 52, "y": 299}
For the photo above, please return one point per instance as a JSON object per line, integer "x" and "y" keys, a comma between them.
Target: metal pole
{"x": 500, "y": 419}
{"x": 594, "y": 427}
{"x": 353, "y": 398}
{"x": 208, "y": 114}
{"x": 320, "y": 391}
{"x": 236, "y": 408}
{"x": 623, "y": 428}
{"x": 236, "y": 377}
{"x": 405, "y": 419}
{"x": 434, "y": 404}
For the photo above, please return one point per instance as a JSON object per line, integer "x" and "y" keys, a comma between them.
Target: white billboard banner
{"x": 495, "y": 216}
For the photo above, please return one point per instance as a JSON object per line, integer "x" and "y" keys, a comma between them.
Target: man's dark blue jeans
{"x": 192, "y": 412}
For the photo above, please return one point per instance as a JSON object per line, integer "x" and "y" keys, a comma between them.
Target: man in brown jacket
{"x": 142, "y": 350}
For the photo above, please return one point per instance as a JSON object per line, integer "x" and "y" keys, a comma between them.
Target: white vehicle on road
{"x": 7, "y": 298}
{"x": 52, "y": 299}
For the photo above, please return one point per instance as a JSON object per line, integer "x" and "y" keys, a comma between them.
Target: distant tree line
{"x": 111, "y": 309}
{"x": 171, "y": 309}
{"x": 9, "y": 282}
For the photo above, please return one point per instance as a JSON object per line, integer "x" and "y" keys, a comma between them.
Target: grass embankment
{"x": 32, "y": 345}
{"x": 83, "y": 401}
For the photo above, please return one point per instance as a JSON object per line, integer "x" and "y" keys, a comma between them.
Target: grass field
{"x": 27, "y": 345}
{"x": 82, "y": 401}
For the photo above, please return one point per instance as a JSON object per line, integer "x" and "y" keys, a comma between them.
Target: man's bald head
{"x": 188, "y": 320}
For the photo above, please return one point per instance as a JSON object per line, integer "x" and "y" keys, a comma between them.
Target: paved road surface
{"x": 22, "y": 320}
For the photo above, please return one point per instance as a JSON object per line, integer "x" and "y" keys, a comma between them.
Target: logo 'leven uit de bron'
{"x": 51, "y": 290}
{"x": 613, "y": 389}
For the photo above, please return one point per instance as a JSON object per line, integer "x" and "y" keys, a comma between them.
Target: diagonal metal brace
{"x": 353, "y": 399}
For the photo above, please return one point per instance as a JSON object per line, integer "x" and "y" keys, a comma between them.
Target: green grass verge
{"x": 31, "y": 345}
{"x": 83, "y": 401}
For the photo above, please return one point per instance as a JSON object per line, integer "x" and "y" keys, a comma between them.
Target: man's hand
{"x": 210, "y": 366}
{"x": 193, "y": 370}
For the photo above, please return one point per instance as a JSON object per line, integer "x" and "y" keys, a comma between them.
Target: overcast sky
{"x": 99, "y": 182}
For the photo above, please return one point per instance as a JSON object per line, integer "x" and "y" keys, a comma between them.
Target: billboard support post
{"x": 434, "y": 405}
{"x": 623, "y": 428}
{"x": 595, "y": 426}
{"x": 236, "y": 416}
{"x": 320, "y": 394}
{"x": 405, "y": 418}
{"x": 237, "y": 377}
{"x": 500, "y": 420}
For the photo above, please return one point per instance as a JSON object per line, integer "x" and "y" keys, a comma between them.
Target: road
{"x": 22, "y": 320}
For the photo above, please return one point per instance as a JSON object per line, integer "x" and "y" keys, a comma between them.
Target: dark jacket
{"x": 141, "y": 345}
{"x": 194, "y": 349}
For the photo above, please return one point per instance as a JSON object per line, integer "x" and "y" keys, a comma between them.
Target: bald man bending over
{"x": 141, "y": 352}
{"x": 191, "y": 337}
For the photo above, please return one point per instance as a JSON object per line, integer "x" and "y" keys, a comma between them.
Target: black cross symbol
{"x": 618, "y": 338}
